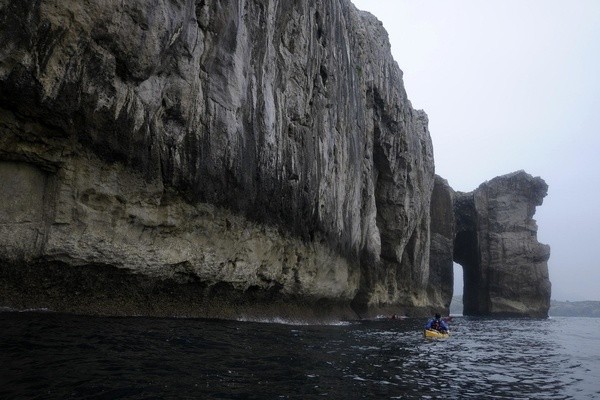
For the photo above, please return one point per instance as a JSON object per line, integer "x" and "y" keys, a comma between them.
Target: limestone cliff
{"x": 505, "y": 267}
{"x": 443, "y": 233}
{"x": 211, "y": 158}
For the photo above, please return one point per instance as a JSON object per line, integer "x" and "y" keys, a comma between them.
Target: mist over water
{"x": 47, "y": 356}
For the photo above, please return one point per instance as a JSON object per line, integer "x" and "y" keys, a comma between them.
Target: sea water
{"x": 57, "y": 356}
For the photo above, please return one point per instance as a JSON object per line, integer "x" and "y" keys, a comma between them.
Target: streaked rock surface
{"x": 209, "y": 158}
{"x": 443, "y": 232}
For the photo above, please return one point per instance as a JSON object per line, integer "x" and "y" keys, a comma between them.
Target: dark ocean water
{"x": 56, "y": 356}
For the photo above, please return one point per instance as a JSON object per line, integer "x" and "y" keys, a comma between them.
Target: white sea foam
{"x": 284, "y": 321}
{"x": 24, "y": 310}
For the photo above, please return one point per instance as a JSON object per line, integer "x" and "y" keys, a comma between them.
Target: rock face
{"x": 505, "y": 268}
{"x": 210, "y": 158}
{"x": 228, "y": 159}
{"x": 443, "y": 232}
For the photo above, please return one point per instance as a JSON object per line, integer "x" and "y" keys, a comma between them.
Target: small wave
{"x": 284, "y": 321}
{"x": 391, "y": 317}
{"x": 25, "y": 310}
{"x": 356, "y": 378}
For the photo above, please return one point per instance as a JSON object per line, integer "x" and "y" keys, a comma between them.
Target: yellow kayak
{"x": 433, "y": 334}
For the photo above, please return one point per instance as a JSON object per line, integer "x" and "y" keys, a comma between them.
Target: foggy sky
{"x": 510, "y": 85}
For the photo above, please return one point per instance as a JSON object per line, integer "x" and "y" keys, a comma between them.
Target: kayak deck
{"x": 433, "y": 334}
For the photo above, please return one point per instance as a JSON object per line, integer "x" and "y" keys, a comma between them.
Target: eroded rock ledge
{"x": 209, "y": 158}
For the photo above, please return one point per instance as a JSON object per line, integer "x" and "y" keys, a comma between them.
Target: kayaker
{"x": 438, "y": 324}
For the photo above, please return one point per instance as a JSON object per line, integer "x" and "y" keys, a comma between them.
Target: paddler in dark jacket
{"x": 437, "y": 323}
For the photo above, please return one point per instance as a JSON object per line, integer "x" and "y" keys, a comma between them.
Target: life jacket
{"x": 436, "y": 324}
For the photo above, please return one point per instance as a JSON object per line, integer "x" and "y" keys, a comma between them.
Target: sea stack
{"x": 505, "y": 267}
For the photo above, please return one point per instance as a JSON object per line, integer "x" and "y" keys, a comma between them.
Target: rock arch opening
{"x": 456, "y": 303}
{"x": 466, "y": 255}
